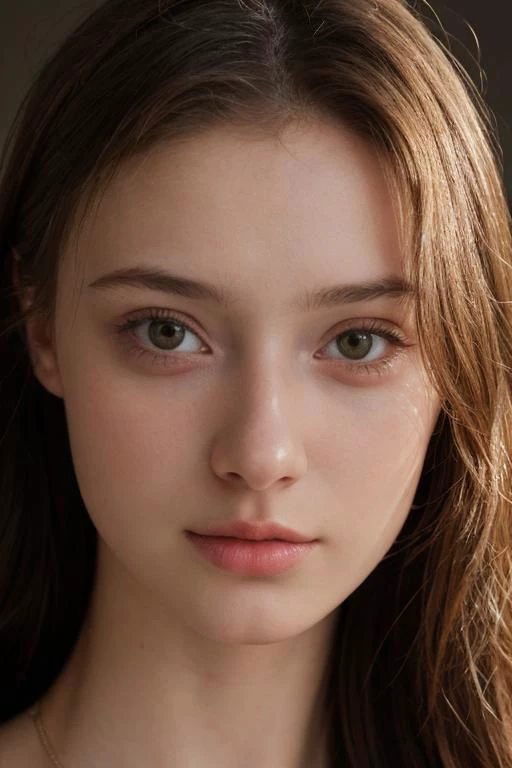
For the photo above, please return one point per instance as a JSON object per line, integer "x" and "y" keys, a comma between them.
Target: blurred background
{"x": 476, "y": 31}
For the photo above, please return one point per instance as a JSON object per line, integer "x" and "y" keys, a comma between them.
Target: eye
{"x": 165, "y": 332}
{"x": 169, "y": 334}
{"x": 361, "y": 348}
{"x": 355, "y": 347}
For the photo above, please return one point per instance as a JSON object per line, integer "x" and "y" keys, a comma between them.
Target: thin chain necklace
{"x": 35, "y": 714}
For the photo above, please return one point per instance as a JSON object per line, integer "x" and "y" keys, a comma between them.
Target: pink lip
{"x": 243, "y": 529}
{"x": 250, "y": 557}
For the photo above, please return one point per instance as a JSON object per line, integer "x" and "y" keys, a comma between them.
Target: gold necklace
{"x": 35, "y": 714}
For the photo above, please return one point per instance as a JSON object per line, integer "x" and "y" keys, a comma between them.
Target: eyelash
{"x": 379, "y": 367}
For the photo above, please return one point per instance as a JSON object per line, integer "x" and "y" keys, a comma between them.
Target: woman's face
{"x": 259, "y": 408}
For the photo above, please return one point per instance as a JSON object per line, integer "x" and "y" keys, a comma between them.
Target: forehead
{"x": 255, "y": 213}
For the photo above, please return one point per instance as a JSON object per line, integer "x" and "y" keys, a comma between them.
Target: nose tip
{"x": 260, "y": 443}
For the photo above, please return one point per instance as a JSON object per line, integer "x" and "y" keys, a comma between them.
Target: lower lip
{"x": 250, "y": 558}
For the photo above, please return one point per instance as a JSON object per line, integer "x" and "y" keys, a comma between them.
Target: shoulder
{"x": 19, "y": 745}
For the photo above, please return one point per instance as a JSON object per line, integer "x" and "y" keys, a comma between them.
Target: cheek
{"x": 136, "y": 447}
{"x": 139, "y": 447}
{"x": 379, "y": 447}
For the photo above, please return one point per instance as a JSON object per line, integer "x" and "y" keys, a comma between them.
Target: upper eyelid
{"x": 180, "y": 317}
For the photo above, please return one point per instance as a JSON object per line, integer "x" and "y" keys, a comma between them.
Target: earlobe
{"x": 43, "y": 356}
{"x": 40, "y": 342}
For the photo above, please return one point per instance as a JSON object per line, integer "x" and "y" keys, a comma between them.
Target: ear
{"x": 39, "y": 341}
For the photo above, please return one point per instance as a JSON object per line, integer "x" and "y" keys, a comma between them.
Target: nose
{"x": 261, "y": 443}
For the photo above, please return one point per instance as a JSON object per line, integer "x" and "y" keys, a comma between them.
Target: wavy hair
{"x": 420, "y": 673}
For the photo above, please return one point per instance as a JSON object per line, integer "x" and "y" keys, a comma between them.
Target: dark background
{"x": 477, "y": 31}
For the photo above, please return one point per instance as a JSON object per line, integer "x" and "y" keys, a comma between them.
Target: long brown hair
{"x": 421, "y": 667}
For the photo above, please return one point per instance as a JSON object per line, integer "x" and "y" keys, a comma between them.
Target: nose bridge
{"x": 261, "y": 437}
{"x": 264, "y": 394}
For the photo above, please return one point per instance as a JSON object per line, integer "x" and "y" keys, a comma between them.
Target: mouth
{"x": 250, "y": 557}
{"x": 245, "y": 530}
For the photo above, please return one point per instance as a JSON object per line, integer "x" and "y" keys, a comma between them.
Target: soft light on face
{"x": 257, "y": 407}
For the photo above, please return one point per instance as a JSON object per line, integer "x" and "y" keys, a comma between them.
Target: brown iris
{"x": 172, "y": 333}
{"x": 355, "y": 344}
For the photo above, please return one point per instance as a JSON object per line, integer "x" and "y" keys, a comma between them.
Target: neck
{"x": 143, "y": 688}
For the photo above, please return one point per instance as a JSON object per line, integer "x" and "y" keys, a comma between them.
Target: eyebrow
{"x": 157, "y": 279}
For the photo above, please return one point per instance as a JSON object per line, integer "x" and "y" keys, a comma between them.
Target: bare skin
{"x": 257, "y": 414}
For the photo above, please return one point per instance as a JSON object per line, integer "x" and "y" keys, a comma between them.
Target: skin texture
{"x": 259, "y": 416}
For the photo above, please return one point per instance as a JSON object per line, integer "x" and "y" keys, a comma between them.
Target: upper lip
{"x": 242, "y": 529}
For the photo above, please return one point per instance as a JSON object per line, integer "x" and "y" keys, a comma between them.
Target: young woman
{"x": 256, "y": 417}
